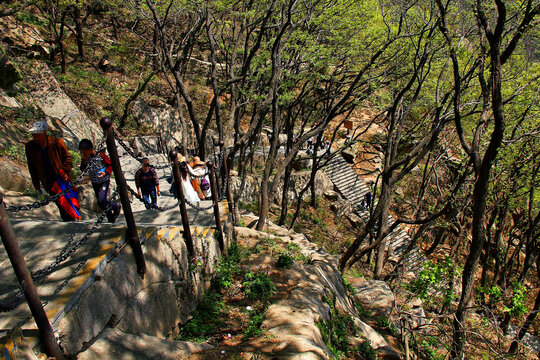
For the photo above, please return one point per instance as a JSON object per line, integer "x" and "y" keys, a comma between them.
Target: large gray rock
{"x": 8, "y": 101}
{"x": 22, "y": 39}
{"x": 66, "y": 119}
{"x": 376, "y": 341}
{"x": 117, "y": 345}
{"x": 16, "y": 178}
{"x": 161, "y": 118}
{"x": 290, "y": 325}
{"x": 146, "y": 145}
{"x": 342, "y": 207}
{"x": 376, "y": 296}
{"x": 355, "y": 221}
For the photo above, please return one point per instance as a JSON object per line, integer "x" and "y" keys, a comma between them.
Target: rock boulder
{"x": 376, "y": 296}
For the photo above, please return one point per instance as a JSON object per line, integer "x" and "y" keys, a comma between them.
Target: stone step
{"x": 354, "y": 190}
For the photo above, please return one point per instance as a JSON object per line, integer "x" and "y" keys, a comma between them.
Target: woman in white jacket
{"x": 189, "y": 194}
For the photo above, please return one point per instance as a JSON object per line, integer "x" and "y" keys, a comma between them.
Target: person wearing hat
{"x": 48, "y": 158}
{"x": 200, "y": 185}
{"x": 187, "y": 184}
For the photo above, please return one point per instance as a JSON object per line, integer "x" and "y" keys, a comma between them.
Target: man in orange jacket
{"x": 48, "y": 158}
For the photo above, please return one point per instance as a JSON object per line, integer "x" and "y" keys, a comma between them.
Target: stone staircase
{"x": 353, "y": 189}
{"x": 66, "y": 290}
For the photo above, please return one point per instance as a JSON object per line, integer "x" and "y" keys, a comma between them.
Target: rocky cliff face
{"x": 65, "y": 117}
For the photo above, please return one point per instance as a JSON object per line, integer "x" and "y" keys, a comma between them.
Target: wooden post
{"x": 213, "y": 187}
{"x": 131, "y": 235}
{"x": 173, "y": 155}
{"x": 46, "y": 332}
{"x": 226, "y": 177}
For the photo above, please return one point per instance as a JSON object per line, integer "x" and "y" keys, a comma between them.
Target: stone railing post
{"x": 46, "y": 332}
{"x": 131, "y": 235}
{"x": 173, "y": 155}
{"x": 213, "y": 187}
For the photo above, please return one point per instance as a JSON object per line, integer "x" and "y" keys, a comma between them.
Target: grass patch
{"x": 227, "y": 268}
{"x": 255, "y": 321}
{"x": 205, "y": 321}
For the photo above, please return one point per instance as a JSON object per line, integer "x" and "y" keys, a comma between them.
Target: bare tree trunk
{"x": 79, "y": 36}
{"x": 60, "y": 42}
{"x": 482, "y": 180}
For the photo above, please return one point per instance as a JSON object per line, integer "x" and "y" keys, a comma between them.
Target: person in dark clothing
{"x": 147, "y": 183}
{"x": 48, "y": 159}
{"x": 99, "y": 169}
{"x": 366, "y": 203}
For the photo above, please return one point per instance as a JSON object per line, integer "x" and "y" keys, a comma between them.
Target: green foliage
{"x": 336, "y": 331}
{"x": 76, "y": 161}
{"x": 435, "y": 278}
{"x": 15, "y": 152}
{"x": 517, "y": 305}
{"x": 348, "y": 286}
{"x": 252, "y": 207}
{"x": 284, "y": 261}
{"x": 363, "y": 313}
{"x": 254, "y": 326}
{"x": 29, "y": 18}
{"x": 205, "y": 319}
{"x": 303, "y": 258}
{"x": 228, "y": 267}
{"x": 385, "y": 324}
{"x": 258, "y": 286}
{"x": 292, "y": 253}
{"x": 429, "y": 346}
{"x": 366, "y": 350}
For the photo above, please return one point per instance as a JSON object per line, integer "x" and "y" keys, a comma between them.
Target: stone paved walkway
{"x": 41, "y": 241}
{"x": 353, "y": 189}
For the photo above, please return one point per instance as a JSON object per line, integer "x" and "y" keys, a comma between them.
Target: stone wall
{"x": 116, "y": 296}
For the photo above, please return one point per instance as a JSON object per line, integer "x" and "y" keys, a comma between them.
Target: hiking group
{"x": 50, "y": 165}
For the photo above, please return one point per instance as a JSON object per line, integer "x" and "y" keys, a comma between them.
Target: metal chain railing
{"x": 207, "y": 173}
{"x": 65, "y": 253}
{"x": 47, "y": 201}
{"x": 131, "y": 153}
{"x": 223, "y": 193}
{"x": 16, "y": 301}
{"x": 62, "y": 284}
{"x": 143, "y": 200}
{"x": 198, "y": 207}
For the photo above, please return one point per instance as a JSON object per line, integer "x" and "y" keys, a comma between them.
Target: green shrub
{"x": 305, "y": 259}
{"x": 384, "y": 323}
{"x": 362, "y": 311}
{"x": 15, "y": 152}
{"x": 437, "y": 278}
{"x": 284, "y": 261}
{"x": 258, "y": 286}
{"x": 366, "y": 351}
{"x": 228, "y": 266}
{"x": 349, "y": 286}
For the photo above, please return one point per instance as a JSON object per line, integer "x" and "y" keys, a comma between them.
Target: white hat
{"x": 38, "y": 127}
